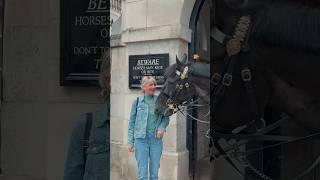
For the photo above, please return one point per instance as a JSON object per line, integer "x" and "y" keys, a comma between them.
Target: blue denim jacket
{"x": 98, "y": 158}
{"x": 138, "y": 120}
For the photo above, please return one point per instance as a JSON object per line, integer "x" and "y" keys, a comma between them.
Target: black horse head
{"x": 183, "y": 82}
{"x": 281, "y": 41}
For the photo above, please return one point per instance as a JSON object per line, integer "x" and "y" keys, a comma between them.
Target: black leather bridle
{"x": 222, "y": 80}
{"x": 183, "y": 84}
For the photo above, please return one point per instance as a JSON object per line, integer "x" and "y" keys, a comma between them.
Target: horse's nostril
{"x": 175, "y": 106}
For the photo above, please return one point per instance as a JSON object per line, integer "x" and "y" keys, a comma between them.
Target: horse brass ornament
{"x": 234, "y": 45}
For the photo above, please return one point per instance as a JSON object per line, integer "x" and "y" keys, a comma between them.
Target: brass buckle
{"x": 216, "y": 79}
{"x": 227, "y": 79}
{"x": 246, "y": 75}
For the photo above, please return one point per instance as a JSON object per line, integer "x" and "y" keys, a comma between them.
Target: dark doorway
{"x": 197, "y": 143}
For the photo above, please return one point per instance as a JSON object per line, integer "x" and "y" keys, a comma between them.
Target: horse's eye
{"x": 187, "y": 85}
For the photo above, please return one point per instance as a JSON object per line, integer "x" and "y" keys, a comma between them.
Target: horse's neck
{"x": 297, "y": 28}
{"x": 201, "y": 70}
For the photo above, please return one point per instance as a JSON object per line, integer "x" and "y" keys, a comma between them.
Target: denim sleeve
{"x": 163, "y": 123}
{"x": 74, "y": 164}
{"x": 132, "y": 120}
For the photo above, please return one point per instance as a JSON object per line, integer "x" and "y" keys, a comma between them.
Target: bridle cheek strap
{"x": 172, "y": 104}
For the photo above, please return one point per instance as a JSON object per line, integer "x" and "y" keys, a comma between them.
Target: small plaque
{"x": 147, "y": 65}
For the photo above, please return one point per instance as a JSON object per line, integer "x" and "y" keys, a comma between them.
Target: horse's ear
{"x": 178, "y": 62}
{"x": 184, "y": 58}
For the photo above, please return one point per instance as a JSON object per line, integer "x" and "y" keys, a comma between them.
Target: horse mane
{"x": 288, "y": 24}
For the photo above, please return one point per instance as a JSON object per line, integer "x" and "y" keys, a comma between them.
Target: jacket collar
{"x": 142, "y": 98}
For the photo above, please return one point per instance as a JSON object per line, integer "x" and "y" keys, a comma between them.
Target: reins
{"x": 223, "y": 80}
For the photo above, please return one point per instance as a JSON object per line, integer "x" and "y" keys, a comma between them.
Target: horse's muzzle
{"x": 168, "y": 112}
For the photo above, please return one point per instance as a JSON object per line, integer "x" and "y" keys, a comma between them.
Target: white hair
{"x": 146, "y": 79}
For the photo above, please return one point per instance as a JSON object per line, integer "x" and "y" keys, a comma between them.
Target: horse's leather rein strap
{"x": 234, "y": 45}
{"x": 219, "y": 36}
{"x": 224, "y": 79}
